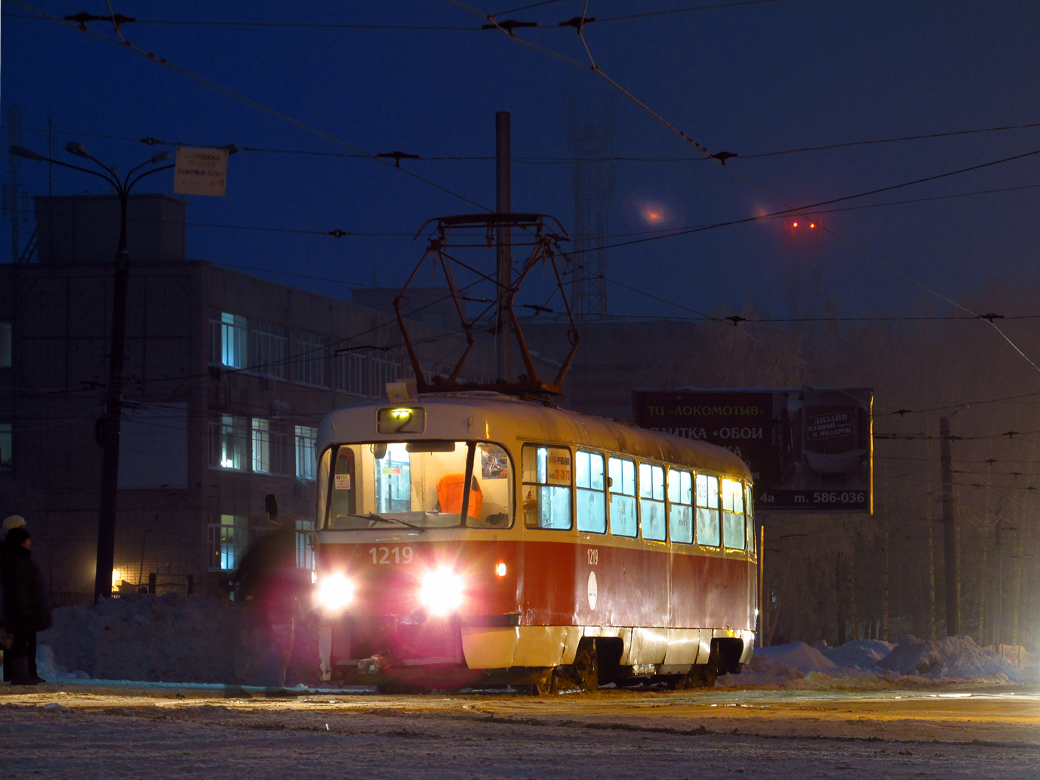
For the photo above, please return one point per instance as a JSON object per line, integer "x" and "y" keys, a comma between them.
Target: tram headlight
{"x": 441, "y": 591}
{"x": 335, "y": 593}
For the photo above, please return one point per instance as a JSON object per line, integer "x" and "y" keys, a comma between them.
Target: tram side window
{"x": 547, "y": 487}
{"x": 734, "y": 526}
{"x": 680, "y": 506}
{"x": 708, "y": 510}
{"x": 651, "y": 501}
{"x": 622, "y": 496}
{"x": 749, "y": 509}
{"x": 591, "y": 498}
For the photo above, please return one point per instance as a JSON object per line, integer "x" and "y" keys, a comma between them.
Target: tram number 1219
{"x": 390, "y": 555}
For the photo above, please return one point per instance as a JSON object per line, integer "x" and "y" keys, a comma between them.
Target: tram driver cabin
{"x": 472, "y": 538}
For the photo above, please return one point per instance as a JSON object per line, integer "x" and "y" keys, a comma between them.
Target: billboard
{"x": 810, "y": 449}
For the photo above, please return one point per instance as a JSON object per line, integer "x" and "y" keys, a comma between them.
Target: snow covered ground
{"x": 557, "y": 739}
{"x": 179, "y": 639}
{"x": 866, "y": 709}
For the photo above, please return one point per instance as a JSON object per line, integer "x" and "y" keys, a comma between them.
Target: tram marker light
{"x": 500, "y": 569}
{"x": 401, "y": 419}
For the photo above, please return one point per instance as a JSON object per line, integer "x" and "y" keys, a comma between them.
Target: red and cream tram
{"x": 474, "y": 539}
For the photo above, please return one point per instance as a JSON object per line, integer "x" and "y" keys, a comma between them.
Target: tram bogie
{"x": 475, "y": 540}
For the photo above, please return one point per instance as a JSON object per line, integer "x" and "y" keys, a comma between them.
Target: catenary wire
{"x": 255, "y": 104}
{"x": 703, "y": 150}
{"x": 536, "y": 160}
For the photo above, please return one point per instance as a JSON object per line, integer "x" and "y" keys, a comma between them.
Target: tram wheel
{"x": 586, "y": 667}
{"x": 703, "y": 675}
{"x": 547, "y": 686}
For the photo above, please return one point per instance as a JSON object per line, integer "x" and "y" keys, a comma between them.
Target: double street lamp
{"x": 117, "y": 352}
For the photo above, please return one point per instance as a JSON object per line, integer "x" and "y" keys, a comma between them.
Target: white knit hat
{"x": 13, "y": 521}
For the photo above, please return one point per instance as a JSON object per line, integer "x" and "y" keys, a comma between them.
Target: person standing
{"x": 12, "y": 521}
{"x": 26, "y": 608}
{"x": 273, "y": 591}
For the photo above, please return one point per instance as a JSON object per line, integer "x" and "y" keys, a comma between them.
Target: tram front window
{"x": 418, "y": 484}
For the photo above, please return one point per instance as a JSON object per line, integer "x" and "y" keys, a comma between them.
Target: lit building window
{"x": 229, "y": 442}
{"x": 261, "y": 446}
{"x": 227, "y": 338}
{"x": 304, "y": 549}
{"x": 306, "y": 440}
{"x": 228, "y": 540}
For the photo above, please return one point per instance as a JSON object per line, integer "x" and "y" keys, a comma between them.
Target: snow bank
{"x": 952, "y": 656}
{"x": 195, "y": 639}
{"x": 798, "y": 655}
{"x": 168, "y": 638}
{"x": 870, "y": 663}
{"x": 860, "y": 653}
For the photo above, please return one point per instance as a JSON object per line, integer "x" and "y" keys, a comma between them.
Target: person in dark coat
{"x": 13, "y": 521}
{"x": 26, "y": 608}
{"x": 273, "y": 591}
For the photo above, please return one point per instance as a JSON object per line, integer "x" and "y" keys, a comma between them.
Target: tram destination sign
{"x": 809, "y": 449}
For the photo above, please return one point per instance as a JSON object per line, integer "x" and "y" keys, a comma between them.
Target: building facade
{"x": 226, "y": 379}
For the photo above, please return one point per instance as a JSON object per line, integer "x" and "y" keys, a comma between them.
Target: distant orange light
{"x": 812, "y": 224}
{"x": 500, "y": 569}
{"x": 795, "y": 225}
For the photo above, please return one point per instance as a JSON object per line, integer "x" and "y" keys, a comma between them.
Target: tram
{"x": 472, "y": 539}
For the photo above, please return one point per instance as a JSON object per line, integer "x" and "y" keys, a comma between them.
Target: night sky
{"x": 750, "y": 78}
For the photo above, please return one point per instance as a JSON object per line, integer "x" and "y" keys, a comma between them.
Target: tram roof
{"x": 497, "y": 417}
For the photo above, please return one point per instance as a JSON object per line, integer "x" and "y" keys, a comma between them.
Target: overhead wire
{"x": 646, "y": 108}
{"x": 722, "y": 162}
{"x": 254, "y": 104}
{"x": 543, "y": 160}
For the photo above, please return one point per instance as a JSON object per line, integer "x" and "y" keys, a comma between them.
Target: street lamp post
{"x": 117, "y": 353}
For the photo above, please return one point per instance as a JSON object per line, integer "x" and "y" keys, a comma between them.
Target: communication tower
{"x": 590, "y": 140}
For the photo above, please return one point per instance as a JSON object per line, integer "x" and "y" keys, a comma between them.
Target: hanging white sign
{"x": 200, "y": 171}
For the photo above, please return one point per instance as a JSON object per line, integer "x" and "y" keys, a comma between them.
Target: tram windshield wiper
{"x": 380, "y": 519}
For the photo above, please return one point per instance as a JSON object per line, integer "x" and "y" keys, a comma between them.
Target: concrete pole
{"x": 953, "y": 583}
{"x": 504, "y": 238}
{"x": 113, "y": 416}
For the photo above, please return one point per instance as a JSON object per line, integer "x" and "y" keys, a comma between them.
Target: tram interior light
{"x": 441, "y": 591}
{"x": 335, "y": 592}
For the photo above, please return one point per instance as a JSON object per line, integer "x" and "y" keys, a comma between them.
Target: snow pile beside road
{"x": 195, "y": 639}
{"x": 868, "y": 663}
{"x": 798, "y": 655}
{"x": 169, "y": 638}
{"x": 952, "y": 656}
{"x": 860, "y": 653}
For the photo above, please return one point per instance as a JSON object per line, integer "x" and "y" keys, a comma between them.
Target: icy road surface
{"x": 79, "y": 730}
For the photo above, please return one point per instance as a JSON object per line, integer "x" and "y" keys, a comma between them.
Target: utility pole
{"x": 953, "y": 580}
{"x": 117, "y": 356}
{"x": 997, "y": 633}
{"x": 504, "y": 239}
